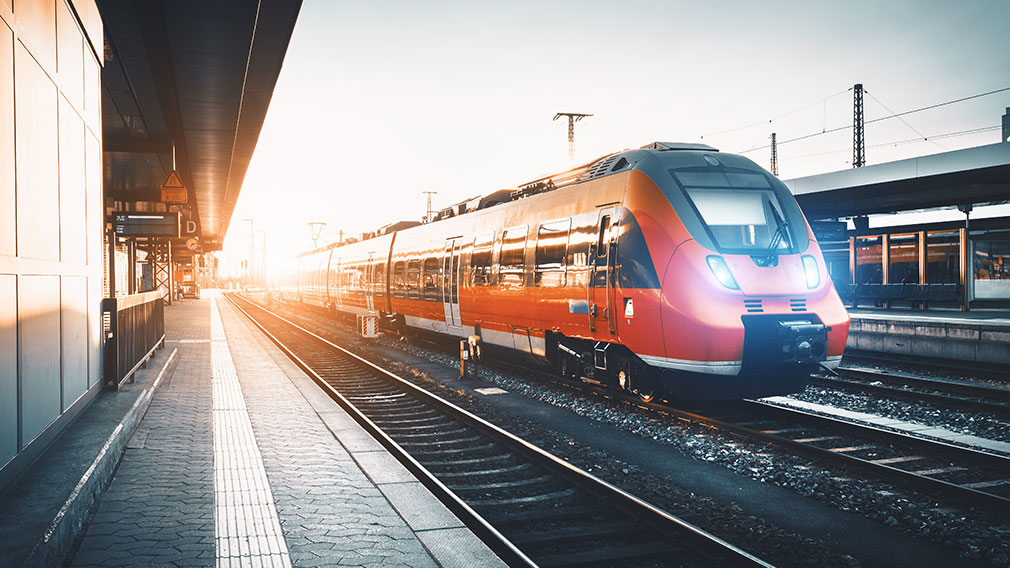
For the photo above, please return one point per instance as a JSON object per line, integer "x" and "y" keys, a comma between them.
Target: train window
{"x": 398, "y": 287}
{"x": 379, "y": 278}
{"x": 430, "y": 279}
{"x": 480, "y": 260}
{"x": 552, "y": 247}
{"x": 413, "y": 274}
{"x": 601, "y": 241}
{"x": 513, "y": 256}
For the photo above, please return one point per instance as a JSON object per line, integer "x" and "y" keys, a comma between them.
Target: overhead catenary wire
{"x": 898, "y": 142}
{"x": 905, "y": 122}
{"x": 780, "y": 117}
{"x": 893, "y": 115}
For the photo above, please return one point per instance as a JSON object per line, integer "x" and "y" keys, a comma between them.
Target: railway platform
{"x": 978, "y": 337}
{"x": 223, "y": 452}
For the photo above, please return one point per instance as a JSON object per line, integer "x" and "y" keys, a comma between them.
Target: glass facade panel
{"x": 991, "y": 269}
{"x": 869, "y": 263}
{"x": 904, "y": 258}
{"x": 943, "y": 258}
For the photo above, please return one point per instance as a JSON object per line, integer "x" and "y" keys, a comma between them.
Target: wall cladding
{"x": 50, "y": 216}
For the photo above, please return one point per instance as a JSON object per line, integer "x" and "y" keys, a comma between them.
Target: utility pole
{"x": 315, "y": 229}
{"x": 858, "y": 140}
{"x": 427, "y": 215}
{"x": 573, "y": 117}
{"x": 775, "y": 156}
{"x": 252, "y": 253}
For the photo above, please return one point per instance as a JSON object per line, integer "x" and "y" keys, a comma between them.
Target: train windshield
{"x": 740, "y": 210}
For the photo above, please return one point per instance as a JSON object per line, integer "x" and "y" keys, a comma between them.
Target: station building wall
{"x": 51, "y": 224}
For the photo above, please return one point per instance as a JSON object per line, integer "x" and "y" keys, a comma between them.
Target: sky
{"x": 379, "y": 101}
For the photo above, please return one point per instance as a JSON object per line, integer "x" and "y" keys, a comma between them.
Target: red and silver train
{"x": 672, "y": 269}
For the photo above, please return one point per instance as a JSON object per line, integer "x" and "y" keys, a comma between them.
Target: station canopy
{"x": 195, "y": 75}
{"x": 973, "y": 176}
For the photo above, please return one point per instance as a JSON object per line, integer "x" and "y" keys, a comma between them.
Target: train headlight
{"x": 721, "y": 272}
{"x": 811, "y": 271}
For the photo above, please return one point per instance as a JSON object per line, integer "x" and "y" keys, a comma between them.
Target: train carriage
{"x": 672, "y": 268}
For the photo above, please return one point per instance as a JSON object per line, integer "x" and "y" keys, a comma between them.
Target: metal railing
{"x": 134, "y": 328}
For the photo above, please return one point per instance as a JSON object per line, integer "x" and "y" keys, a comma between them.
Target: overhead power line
{"x": 897, "y": 142}
{"x": 780, "y": 117}
{"x": 894, "y": 115}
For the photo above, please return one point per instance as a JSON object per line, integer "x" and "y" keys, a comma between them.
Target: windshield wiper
{"x": 781, "y": 232}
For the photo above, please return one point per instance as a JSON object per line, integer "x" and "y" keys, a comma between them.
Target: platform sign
{"x": 830, "y": 231}
{"x": 173, "y": 190}
{"x": 147, "y": 224}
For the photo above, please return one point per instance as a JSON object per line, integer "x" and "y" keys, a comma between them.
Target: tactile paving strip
{"x": 247, "y": 531}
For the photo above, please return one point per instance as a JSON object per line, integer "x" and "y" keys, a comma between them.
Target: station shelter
{"x": 941, "y": 234}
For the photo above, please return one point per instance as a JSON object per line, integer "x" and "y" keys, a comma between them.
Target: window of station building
{"x": 513, "y": 255}
{"x": 991, "y": 269}
{"x": 398, "y": 285}
{"x": 480, "y": 260}
{"x": 943, "y": 257}
{"x": 551, "y": 250}
{"x": 904, "y": 258}
{"x": 430, "y": 278}
{"x": 413, "y": 275}
{"x": 869, "y": 261}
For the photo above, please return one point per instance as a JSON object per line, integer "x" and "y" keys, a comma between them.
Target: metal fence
{"x": 134, "y": 329}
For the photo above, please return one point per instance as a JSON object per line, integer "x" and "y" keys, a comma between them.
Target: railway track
{"x": 945, "y": 393}
{"x": 966, "y": 475}
{"x": 973, "y": 477}
{"x": 532, "y": 508}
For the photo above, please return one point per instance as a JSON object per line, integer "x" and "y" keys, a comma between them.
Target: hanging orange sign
{"x": 173, "y": 190}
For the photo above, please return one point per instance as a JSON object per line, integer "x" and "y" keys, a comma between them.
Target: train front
{"x": 746, "y": 304}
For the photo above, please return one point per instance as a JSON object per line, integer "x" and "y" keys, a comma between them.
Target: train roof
{"x": 602, "y": 166}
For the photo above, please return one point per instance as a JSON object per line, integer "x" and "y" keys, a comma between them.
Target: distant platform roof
{"x": 197, "y": 74}
{"x": 971, "y": 176}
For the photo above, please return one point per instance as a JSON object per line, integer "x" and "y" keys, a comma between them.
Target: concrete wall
{"x": 969, "y": 342}
{"x": 50, "y": 219}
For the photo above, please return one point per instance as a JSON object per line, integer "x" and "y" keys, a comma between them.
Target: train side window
{"x": 577, "y": 261}
{"x": 480, "y": 260}
{"x": 552, "y": 247}
{"x": 430, "y": 279}
{"x": 413, "y": 274}
{"x": 513, "y": 257}
{"x": 399, "y": 283}
{"x": 379, "y": 278}
{"x": 601, "y": 242}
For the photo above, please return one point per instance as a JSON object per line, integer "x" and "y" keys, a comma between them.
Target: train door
{"x": 367, "y": 284}
{"x": 450, "y": 282}
{"x": 601, "y": 267}
{"x": 330, "y": 282}
{"x": 338, "y": 277}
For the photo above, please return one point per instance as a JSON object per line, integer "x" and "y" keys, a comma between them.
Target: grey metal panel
{"x": 93, "y": 171}
{"x": 7, "y": 215}
{"x": 39, "y": 346}
{"x": 8, "y": 368}
{"x": 74, "y": 332}
{"x": 70, "y": 56}
{"x": 38, "y": 21}
{"x": 37, "y": 159}
{"x": 73, "y": 215}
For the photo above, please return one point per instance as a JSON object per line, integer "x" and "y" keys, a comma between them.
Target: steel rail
{"x": 698, "y": 539}
{"x": 983, "y": 397}
{"x": 962, "y": 493}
